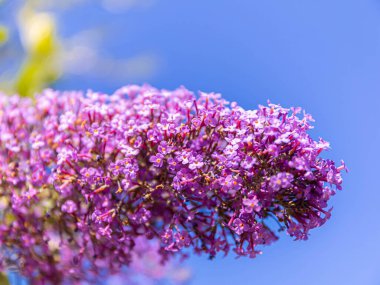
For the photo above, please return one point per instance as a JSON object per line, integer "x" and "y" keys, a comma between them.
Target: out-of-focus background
{"x": 321, "y": 55}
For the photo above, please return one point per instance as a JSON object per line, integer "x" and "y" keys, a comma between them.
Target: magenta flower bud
{"x": 69, "y": 207}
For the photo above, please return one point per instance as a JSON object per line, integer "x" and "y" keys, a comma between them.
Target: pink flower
{"x": 85, "y": 177}
{"x": 69, "y": 207}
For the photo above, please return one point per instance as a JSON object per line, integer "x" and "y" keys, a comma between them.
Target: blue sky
{"x": 321, "y": 55}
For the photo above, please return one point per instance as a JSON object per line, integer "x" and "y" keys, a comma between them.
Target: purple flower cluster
{"x": 96, "y": 172}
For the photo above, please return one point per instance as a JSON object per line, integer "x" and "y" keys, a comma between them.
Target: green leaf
{"x": 3, "y": 34}
{"x": 35, "y": 74}
{"x": 4, "y": 279}
{"x": 42, "y": 65}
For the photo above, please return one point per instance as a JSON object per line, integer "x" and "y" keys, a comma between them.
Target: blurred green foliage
{"x": 3, "y": 34}
{"x": 41, "y": 66}
{"x": 3, "y": 279}
{"x": 41, "y": 51}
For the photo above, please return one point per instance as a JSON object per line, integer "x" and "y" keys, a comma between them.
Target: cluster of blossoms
{"x": 84, "y": 176}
